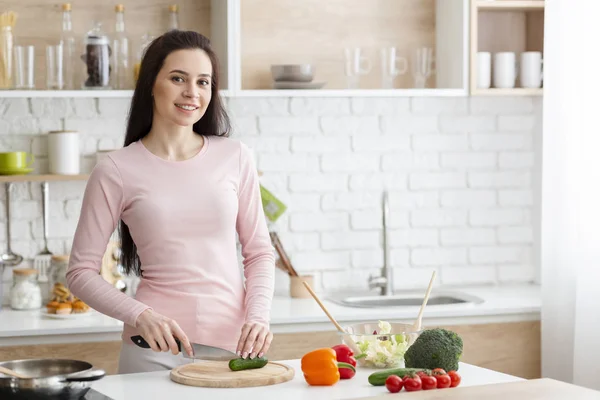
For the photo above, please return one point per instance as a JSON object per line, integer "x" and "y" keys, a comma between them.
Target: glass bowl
{"x": 373, "y": 349}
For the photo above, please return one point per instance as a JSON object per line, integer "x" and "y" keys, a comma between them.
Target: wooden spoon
{"x": 10, "y": 372}
{"x": 417, "y": 324}
{"x": 351, "y": 343}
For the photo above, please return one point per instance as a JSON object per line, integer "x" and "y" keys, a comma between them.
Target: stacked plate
{"x": 294, "y": 76}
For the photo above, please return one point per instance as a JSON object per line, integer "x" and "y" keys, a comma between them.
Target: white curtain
{"x": 570, "y": 221}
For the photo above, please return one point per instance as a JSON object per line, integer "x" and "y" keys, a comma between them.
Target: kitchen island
{"x": 158, "y": 385}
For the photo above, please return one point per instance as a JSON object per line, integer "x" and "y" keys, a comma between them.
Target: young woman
{"x": 180, "y": 192}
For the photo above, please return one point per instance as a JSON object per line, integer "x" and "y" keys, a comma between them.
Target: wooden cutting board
{"x": 216, "y": 374}
{"x": 535, "y": 389}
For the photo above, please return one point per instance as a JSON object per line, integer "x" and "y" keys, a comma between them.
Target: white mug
{"x": 484, "y": 70}
{"x": 505, "y": 70}
{"x": 63, "y": 152}
{"x": 531, "y": 69}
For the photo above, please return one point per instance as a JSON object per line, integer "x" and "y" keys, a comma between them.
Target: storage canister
{"x": 63, "y": 152}
{"x": 25, "y": 292}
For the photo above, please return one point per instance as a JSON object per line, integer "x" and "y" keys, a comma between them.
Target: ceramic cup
{"x": 15, "y": 160}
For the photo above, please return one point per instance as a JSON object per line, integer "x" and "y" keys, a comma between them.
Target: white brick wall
{"x": 460, "y": 172}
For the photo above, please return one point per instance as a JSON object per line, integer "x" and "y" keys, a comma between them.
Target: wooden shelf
{"x": 354, "y": 93}
{"x": 308, "y": 32}
{"x": 510, "y": 5}
{"x": 42, "y": 178}
{"x": 508, "y": 92}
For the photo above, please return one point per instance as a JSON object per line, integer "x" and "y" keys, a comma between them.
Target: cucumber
{"x": 378, "y": 378}
{"x": 240, "y": 364}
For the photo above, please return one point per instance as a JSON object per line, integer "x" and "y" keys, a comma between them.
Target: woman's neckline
{"x": 199, "y": 154}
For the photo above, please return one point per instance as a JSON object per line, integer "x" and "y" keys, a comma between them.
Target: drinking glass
{"x": 392, "y": 65}
{"x": 356, "y": 65}
{"x": 24, "y": 67}
{"x": 422, "y": 66}
{"x": 54, "y": 67}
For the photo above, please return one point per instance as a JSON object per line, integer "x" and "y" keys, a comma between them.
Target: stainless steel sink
{"x": 406, "y": 300}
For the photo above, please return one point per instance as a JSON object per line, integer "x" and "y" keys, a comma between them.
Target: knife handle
{"x": 141, "y": 342}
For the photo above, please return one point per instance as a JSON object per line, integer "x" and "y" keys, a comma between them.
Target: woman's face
{"x": 182, "y": 88}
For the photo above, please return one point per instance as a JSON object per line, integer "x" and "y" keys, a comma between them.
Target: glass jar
{"x": 58, "y": 271}
{"x": 96, "y": 56}
{"x": 25, "y": 292}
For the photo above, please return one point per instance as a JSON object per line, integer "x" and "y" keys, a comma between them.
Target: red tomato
{"x": 443, "y": 381}
{"x": 428, "y": 382}
{"x": 438, "y": 371}
{"x": 421, "y": 374}
{"x": 394, "y": 383}
{"x": 454, "y": 378}
{"x": 412, "y": 383}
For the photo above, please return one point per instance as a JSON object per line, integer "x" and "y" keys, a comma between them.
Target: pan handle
{"x": 85, "y": 376}
{"x": 141, "y": 342}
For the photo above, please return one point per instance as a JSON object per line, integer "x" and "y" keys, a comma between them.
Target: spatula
{"x": 350, "y": 342}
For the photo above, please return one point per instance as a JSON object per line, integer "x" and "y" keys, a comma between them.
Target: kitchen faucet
{"x": 384, "y": 281}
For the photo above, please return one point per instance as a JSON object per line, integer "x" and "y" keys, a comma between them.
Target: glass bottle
{"x": 173, "y": 17}
{"x": 96, "y": 56}
{"x": 145, "y": 42}
{"x": 67, "y": 40}
{"x": 120, "y": 47}
{"x": 25, "y": 292}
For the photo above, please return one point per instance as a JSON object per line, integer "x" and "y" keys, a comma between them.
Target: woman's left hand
{"x": 255, "y": 340}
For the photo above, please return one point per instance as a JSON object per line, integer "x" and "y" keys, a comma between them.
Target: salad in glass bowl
{"x": 381, "y": 344}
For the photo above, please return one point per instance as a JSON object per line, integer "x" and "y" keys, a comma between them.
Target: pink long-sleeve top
{"x": 183, "y": 217}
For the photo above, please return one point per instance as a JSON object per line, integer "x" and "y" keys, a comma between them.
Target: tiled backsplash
{"x": 461, "y": 173}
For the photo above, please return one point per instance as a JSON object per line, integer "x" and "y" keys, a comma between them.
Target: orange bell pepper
{"x": 320, "y": 367}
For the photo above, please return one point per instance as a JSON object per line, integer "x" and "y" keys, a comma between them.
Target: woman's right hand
{"x": 160, "y": 332}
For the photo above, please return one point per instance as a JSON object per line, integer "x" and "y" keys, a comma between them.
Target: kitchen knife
{"x": 201, "y": 351}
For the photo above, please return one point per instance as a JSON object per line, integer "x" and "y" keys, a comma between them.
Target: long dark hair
{"x": 214, "y": 122}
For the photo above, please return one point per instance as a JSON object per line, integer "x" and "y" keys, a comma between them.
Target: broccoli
{"x": 435, "y": 348}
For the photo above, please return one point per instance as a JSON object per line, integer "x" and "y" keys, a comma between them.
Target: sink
{"x": 406, "y": 300}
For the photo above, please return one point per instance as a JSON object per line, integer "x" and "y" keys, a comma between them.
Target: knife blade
{"x": 201, "y": 351}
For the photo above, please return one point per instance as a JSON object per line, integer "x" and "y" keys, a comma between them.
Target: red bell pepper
{"x": 345, "y": 354}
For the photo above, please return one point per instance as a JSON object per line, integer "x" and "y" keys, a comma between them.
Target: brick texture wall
{"x": 461, "y": 173}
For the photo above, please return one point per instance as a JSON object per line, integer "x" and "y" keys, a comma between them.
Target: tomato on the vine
{"x": 443, "y": 381}
{"x": 412, "y": 383}
{"x": 454, "y": 378}
{"x": 428, "y": 382}
{"x": 394, "y": 383}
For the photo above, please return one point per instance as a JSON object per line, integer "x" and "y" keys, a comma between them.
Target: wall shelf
{"x": 6, "y": 94}
{"x": 43, "y": 178}
{"x": 510, "y": 5}
{"x": 505, "y": 26}
{"x": 354, "y": 93}
{"x": 508, "y": 92}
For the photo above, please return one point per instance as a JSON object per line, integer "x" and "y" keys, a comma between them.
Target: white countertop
{"x": 158, "y": 385}
{"x": 501, "y": 304}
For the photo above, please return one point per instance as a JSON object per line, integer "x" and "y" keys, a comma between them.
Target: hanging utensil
{"x": 9, "y": 258}
{"x": 42, "y": 261}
